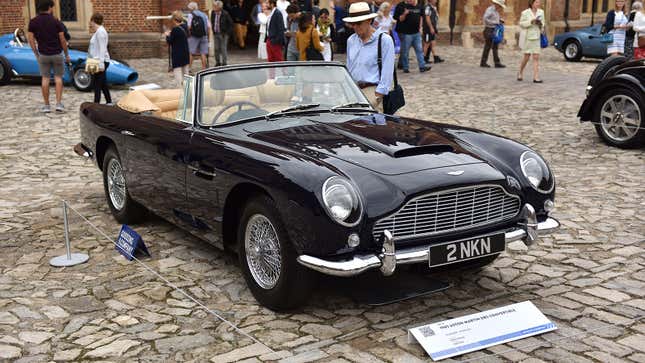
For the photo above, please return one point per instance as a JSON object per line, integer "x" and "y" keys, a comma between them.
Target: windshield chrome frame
{"x": 206, "y": 72}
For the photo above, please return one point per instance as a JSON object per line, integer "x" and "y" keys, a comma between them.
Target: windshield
{"x": 240, "y": 94}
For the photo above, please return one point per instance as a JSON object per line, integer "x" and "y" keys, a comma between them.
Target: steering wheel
{"x": 239, "y": 105}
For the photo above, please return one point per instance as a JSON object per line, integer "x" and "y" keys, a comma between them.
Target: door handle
{"x": 202, "y": 173}
{"x": 127, "y": 133}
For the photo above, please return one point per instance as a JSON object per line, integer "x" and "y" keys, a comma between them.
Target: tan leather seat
{"x": 162, "y": 103}
{"x": 270, "y": 93}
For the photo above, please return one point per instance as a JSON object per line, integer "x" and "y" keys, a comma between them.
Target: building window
{"x": 68, "y": 11}
{"x": 595, "y": 6}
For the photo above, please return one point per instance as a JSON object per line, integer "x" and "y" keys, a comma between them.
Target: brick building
{"x": 131, "y": 36}
{"x": 560, "y": 14}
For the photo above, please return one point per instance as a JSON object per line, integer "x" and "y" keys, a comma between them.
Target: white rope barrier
{"x": 167, "y": 282}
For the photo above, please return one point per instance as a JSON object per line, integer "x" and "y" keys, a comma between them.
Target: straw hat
{"x": 501, "y": 3}
{"x": 359, "y": 12}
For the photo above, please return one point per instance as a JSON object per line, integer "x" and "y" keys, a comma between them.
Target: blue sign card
{"x": 129, "y": 242}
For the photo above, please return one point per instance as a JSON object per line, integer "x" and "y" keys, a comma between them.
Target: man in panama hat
{"x": 362, "y": 55}
{"x": 491, "y": 20}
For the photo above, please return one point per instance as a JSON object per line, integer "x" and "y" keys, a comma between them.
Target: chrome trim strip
{"x": 389, "y": 258}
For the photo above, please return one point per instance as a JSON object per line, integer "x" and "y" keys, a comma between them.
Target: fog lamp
{"x": 353, "y": 240}
{"x": 548, "y": 205}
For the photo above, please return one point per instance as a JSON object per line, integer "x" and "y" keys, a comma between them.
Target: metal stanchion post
{"x": 69, "y": 259}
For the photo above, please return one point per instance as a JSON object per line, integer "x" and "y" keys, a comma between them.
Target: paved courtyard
{"x": 589, "y": 277}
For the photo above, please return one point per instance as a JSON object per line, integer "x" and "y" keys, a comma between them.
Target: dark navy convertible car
{"x": 287, "y": 164}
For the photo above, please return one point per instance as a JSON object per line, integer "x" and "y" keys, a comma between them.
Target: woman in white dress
{"x": 325, "y": 28}
{"x": 384, "y": 21}
{"x": 263, "y": 19}
{"x": 616, "y": 24}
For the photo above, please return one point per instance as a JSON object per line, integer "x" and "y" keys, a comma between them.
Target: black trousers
{"x": 100, "y": 85}
{"x": 488, "y": 37}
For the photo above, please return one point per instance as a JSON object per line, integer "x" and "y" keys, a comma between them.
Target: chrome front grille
{"x": 450, "y": 210}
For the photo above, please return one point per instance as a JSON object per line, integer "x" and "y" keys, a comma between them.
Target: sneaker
{"x": 60, "y": 107}
{"x": 406, "y": 71}
{"x": 499, "y": 65}
{"x": 438, "y": 59}
{"x": 427, "y": 68}
{"x": 46, "y": 109}
{"x": 484, "y": 65}
{"x": 109, "y": 104}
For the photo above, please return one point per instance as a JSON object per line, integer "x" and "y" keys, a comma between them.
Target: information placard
{"x": 129, "y": 242}
{"x": 477, "y": 331}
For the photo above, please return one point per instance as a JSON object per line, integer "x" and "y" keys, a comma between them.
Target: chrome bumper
{"x": 528, "y": 231}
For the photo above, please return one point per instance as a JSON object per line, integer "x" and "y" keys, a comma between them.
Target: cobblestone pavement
{"x": 589, "y": 277}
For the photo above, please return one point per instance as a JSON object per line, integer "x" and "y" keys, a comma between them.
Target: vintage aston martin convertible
{"x": 289, "y": 165}
{"x": 17, "y": 60}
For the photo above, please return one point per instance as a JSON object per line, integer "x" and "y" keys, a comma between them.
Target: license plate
{"x": 468, "y": 249}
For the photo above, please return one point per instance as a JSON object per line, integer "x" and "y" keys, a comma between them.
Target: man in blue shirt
{"x": 362, "y": 55}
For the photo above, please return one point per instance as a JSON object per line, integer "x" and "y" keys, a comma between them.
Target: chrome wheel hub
{"x": 571, "y": 50}
{"x": 82, "y": 78}
{"x": 262, "y": 248}
{"x": 620, "y": 117}
{"x": 116, "y": 184}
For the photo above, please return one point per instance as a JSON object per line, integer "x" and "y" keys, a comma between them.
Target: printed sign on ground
{"x": 468, "y": 333}
{"x": 129, "y": 242}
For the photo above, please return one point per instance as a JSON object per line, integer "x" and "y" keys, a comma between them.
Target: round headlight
{"x": 536, "y": 172}
{"x": 341, "y": 201}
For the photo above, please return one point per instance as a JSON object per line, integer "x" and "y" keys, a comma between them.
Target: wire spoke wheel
{"x": 620, "y": 118}
{"x": 262, "y": 247}
{"x": 116, "y": 184}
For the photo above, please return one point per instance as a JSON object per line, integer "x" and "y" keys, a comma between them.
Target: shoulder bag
{"x": 498, "y": 34}
{"x": 311, "y": 52}
{"x": 92, "y": 65}
{"x": 607, "y": 38}
{"x": 544, "y": 40}
{"x": 395, "y": 99}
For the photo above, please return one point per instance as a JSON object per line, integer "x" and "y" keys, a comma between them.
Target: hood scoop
{"x": 423, "y": 150}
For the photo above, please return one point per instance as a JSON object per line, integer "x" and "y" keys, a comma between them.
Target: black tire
{"x": 80, "y": 82}
{"x": 638, "y": 138}
{"x": 130, "y": 212}
{"x": 295, "y": 282}
{"x": 5, "y": 71}
{"x": 575, "y": 57}
{"x": 604, "y": 67}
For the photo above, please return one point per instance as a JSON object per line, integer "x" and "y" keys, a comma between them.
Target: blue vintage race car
{"x": 580, "y": 43}
{"x": 18, "y": 60}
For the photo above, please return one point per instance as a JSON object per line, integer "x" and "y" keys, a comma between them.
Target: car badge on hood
{"x": 456, "y": 172}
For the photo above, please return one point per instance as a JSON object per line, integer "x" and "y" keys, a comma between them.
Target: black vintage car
{"x": 289, "y": 165}
{"x": 615, "y": 101}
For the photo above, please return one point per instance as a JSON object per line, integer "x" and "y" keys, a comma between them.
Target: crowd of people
{"x": 300, "y": 30}
{"x": 623, "y": 25}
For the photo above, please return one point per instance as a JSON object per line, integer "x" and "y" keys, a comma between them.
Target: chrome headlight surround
{"x": 537, "y": 172}
{"x": 342, "y": 201}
